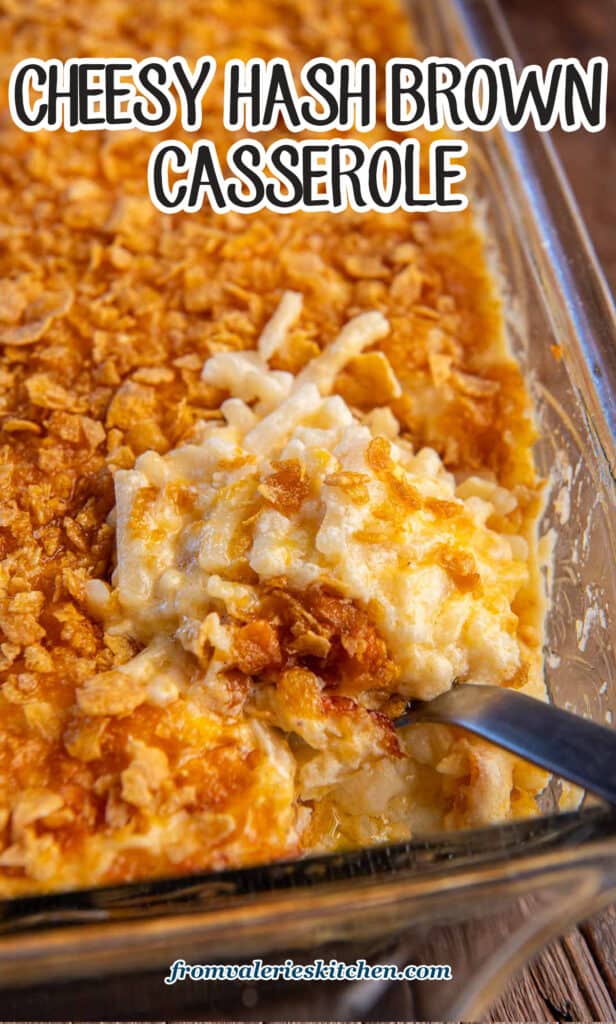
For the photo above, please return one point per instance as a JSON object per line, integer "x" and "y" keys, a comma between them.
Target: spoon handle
{"x": 566, "y": 744}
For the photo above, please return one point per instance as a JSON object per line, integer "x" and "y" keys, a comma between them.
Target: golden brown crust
{"x": 108, "y": 310}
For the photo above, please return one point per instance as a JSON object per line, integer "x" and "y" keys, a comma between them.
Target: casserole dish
{"x": 367, "y": 899}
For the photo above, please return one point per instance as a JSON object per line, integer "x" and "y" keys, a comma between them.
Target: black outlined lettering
{"x": 155, "y": 95}
{"x": 89, "y": 95}
{"x": 405, "y": 100}
{"x": 347, "y": 161}
{"x": 481, "y": 93}
{"x": 281, "y": 98}
{"x": 444, "y": 78}
{"x": 534, "y": 94}
{"x": 319, "y": 77}
{"x": 329, "y": 174}
{"x": 242, "y": 94}
{"x": 587, "y": 87}
{"x": 294, "y": 175}
{"x": 206, "y": 178}
{"x": 89, "y": 86}
{"x": 341, "y": 95}
{"x": 444, "y": 174}
{"x": 284, "y": 156}
{"x": 385, "y": 176}
{"x": 437, "y": 93}
{"x": 29, "y": 74}
{"x": 117, "y": 92}
{"x": 245, "y": 158}
{"x": 166, "y": 157}
{"x": 314, "y": 170}
{"x": 192, "y": 88}
{"x": 355, "y": 105}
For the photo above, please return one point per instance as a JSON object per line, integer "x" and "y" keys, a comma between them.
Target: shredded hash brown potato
{"x": 263, "y": 479}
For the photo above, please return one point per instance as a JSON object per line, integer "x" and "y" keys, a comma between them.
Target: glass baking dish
{"x": 482, "y": 901}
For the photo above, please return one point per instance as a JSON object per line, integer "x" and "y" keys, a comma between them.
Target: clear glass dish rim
{"x": 571, "y": 271}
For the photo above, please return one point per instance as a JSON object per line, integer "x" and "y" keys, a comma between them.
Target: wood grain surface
{"x": 575, "y": 978}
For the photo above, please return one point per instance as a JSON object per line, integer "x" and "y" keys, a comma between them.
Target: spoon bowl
{"x": 578, "y": 750}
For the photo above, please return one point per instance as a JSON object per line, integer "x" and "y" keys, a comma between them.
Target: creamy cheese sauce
{"x": 294, "y": 494}
{"x": 295, "y": 486}
{"x": 263, "y": 478}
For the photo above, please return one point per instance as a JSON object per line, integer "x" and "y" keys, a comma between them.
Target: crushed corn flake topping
{"x": 254, "y": 725}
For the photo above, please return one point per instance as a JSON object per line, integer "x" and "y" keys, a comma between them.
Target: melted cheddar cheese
{"x": 264, "y": 478}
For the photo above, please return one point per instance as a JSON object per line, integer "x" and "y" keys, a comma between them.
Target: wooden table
{"x": 575, "y": 978}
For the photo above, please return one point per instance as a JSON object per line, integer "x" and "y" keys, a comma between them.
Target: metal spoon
{"x": 566, "y": 744}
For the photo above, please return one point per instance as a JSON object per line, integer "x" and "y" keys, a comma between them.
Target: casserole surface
{"x": 112, "y": 773}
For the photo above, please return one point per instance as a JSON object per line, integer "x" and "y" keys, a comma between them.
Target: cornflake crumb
{"x": 126, "y": 756}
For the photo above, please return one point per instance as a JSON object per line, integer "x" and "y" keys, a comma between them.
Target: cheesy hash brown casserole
{"x": 264, "y": 478}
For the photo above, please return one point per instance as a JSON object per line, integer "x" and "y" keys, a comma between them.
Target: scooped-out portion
{"x": 265, "y": 478}
{"x": 292, "y": 575}
{"x": 289, "y": 576}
